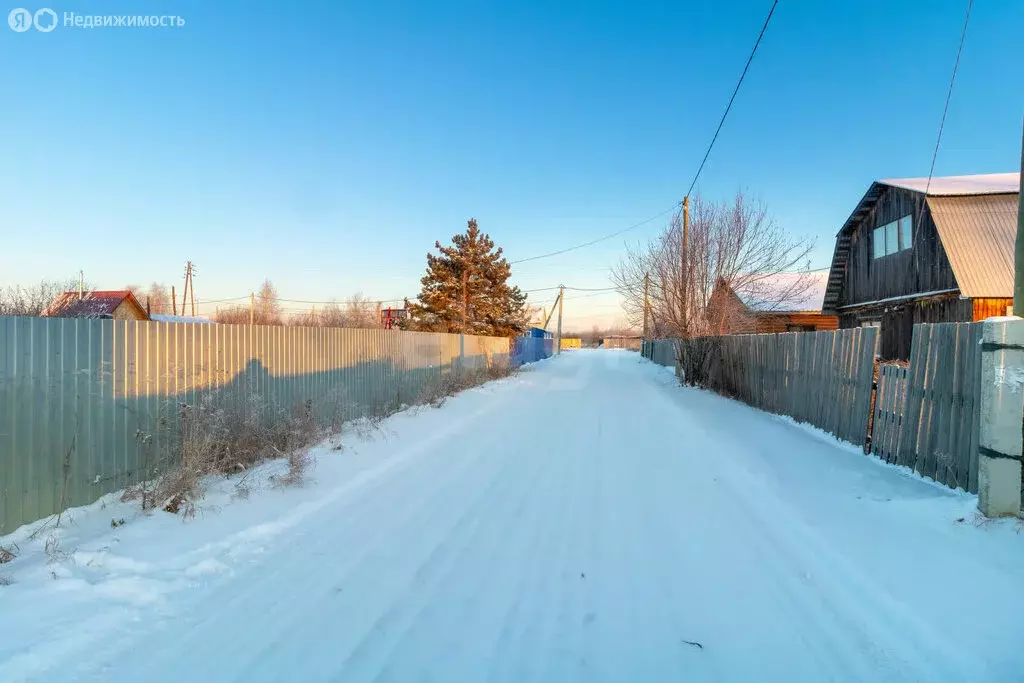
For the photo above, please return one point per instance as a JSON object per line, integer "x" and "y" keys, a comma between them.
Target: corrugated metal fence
{"x": 78, "y": 397}
{"x": 531, "y": 349}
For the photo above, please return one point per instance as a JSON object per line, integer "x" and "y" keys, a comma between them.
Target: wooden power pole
{"x": 1018, "y": 256}
{"x": 647, "y": 301}
{"x": 189, "y": 292}
{"x": 558, "y": 338}
{"x": 174, "y": 301}
{"x": 252, "y": 308}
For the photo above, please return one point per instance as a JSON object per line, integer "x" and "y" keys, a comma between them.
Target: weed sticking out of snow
{"x": 8, "y": 554}
{"x": 53, "y": 550}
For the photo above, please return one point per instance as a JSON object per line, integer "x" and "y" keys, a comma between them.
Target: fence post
{"x": 1002, "y": 409}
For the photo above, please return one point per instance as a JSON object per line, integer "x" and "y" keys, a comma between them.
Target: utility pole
{"x": 189, "y": 293}
{"x": 685, "y": 273}
{"x": 558, "y": 338}
{"x": 1018, "y": 260}
{"x": 252, "y": 308}
{"x": 647, "y": 302}
{"x": 174, "y": 301}
{"x": 81, "y": 284}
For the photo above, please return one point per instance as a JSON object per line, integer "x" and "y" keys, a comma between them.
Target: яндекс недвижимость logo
{"x": 21, "y": 20}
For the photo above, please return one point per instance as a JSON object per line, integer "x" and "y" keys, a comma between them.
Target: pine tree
{"x": 469, "y": 278}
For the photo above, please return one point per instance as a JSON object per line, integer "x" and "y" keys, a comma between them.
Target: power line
{"x": 222, "y": 301}
{"x": 731, "y": 99}
{"x": 599, "y": 239}
{"x": 583, "y": 296}
{"x": 368, "y": 302}
{"x": 676, "y": 205}
{"x": 949, "y": 95}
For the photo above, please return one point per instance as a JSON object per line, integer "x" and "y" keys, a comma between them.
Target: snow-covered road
{"x": 589, "y": 520}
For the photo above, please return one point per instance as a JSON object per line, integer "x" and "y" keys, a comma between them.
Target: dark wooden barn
{"x": 906, "y": 257}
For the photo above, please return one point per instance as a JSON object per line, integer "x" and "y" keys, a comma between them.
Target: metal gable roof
{"x": 979, "y": 234}
{"x": 973, "y": 226}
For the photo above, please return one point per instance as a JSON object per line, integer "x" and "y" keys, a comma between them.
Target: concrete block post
{"x": 1001, "y": 435}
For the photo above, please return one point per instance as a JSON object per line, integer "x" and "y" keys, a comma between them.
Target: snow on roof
{"x": 94, "y": 304}
{"x": 766, "y": 300}
{"x": 987, "y": 183}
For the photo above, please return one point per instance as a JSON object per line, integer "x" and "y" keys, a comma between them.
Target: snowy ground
{"x": 587, "y": 521}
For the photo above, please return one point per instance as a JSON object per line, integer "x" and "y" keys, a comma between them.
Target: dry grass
{"x": 460, "y": 379}
{"x": 219, "y": 439}
{"x": 53, "y": 550}
{"x": 8, "y": 553}
{"x": 215, "y": 439}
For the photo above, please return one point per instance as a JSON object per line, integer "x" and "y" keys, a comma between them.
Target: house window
{"x": 800, "y": 328}
{"x": 892, "y": 237}
{"x": 906, "y": 232}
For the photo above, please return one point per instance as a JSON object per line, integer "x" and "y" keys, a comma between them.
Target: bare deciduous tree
{"x": 33, "y": 300}
{"x": 738, "y": 244}
{"x": 157, "y": 296}
{"x": 733, "y": 246}
{"x": 268, "y": 308}
{"x": 359, "y": 312}
{"x": 266, "y": 311}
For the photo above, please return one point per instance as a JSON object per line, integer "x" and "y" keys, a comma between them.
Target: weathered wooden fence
{"x": 926, "y": 416}
{"x": 661, "y": 351}
{"x": 822, "y": 378}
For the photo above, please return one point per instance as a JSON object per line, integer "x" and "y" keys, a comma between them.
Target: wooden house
{"x": 115, "y": 304}
{"x": 915, "y": 251}
{"x": 729, "y": 313}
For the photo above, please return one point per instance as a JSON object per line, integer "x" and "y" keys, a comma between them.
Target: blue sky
{"x": 327, "y": 146}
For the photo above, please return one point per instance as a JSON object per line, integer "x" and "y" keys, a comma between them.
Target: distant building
{"x": 112, "y": 304}
{"x": 630, "y": 342}
{"x": 906, "y": 257}
{"x": 728, "y": 313}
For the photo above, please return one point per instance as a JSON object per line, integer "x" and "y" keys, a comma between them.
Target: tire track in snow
{"x": 786, "y": 545}
{"x": 454, "y": 598}
{"x": 409, "y": 605}
{"x": 274, "y": 571}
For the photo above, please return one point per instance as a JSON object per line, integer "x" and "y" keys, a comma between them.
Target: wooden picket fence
{"x": 927, "y": 415}
{"x": 822, "y": 378}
